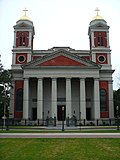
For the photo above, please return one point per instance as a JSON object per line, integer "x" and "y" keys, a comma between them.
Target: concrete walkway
{"x": 59, "y": 135}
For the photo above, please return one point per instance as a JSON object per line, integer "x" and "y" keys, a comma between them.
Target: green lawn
{"x": 59, "y": 149}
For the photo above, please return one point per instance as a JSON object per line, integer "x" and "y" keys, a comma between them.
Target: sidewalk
{"x": 59, "y": 135}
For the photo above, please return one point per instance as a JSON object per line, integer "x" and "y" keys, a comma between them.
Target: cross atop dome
{"x": 97, "y": 10}
{"x": 97, "y": 15}
{"x": 25, "y": 17}
{"x": 25, "y": 10}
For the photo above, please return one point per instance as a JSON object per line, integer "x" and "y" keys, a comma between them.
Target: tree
{"x": 5, "y": 85}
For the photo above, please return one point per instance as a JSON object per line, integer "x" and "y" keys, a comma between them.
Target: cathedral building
{"x": 47, "y": 83}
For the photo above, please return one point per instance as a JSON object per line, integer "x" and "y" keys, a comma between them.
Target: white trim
{"x": 26, "y": 99}
{"x": 40, "y": 99}
{"x": 101, "y": 56}
{"x": 110, "y": 97}
{"x": 68, "y": 97}
{"x": 82, "y": 98}
{"x": 54, "y": 98}
{"x": 96, "y": 99}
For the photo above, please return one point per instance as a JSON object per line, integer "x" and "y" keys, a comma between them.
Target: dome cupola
{"x": 25, "y": 17}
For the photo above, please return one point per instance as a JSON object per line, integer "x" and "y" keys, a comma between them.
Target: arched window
{"x": 22, "y": 40}
{"x": 103, "y": 100}
{"x": 19, "y": 100}
{"x": 100, "y": 39}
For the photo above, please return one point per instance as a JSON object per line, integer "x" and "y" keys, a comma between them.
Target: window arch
{"x": 103, "y": 100}
{"x": 19, "y": 100}
{"x": 22, "y": 40}
{"x": 100, "y": 39}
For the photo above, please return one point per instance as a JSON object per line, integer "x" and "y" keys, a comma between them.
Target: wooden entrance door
{"x": 88, "y": 113}
{"x": 34, "y": 114}
{"x": 61, "y": 114}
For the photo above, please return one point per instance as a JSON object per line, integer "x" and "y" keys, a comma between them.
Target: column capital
{"x": 96, "y": 79}
{"x": 110, "y": 81}
{"x": 53, "y": 78}
{"x": 40, "y": 78}
{"x": 68, "y": 78}
{"x": 81, "y": 78}
{"x": 25, "y": 79}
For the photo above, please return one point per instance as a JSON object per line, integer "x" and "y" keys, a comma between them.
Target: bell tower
{"x": 101, "y": 54}
{"x": 23, "y": 41}
{"x": 99, "y": 41}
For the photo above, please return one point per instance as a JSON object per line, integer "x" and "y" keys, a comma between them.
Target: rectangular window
{"x": 103, "y": 100}
{"x": 19, "y": 100}
{"x": 100, "y": 40}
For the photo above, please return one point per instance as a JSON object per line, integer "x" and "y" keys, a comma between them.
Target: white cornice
{"x": 58, "y": 53}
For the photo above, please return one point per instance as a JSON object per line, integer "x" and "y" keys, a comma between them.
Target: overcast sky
{"x": 60, "y": 23}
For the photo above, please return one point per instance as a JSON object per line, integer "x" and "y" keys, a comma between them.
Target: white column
{"x": 40, "y": 99}
{"x": 96, "y": 99}
{"x": 108, "y": 45}
{"x": 54, "y": 98}
{"x": 82, "y": 99}
{"x": 30, "y": 39}
{"x": 14, "y": 58}
{"x": 26, "y": 99}
{"x": 109, "y": 58}
{"x": 68, "y": 97}
{"x": 29, "y": 57}
{"x": 111, "y": 106}
{"x": 14, "y": 39}
{"x": 92, "y": 39}
{"x": 94, "y": 57}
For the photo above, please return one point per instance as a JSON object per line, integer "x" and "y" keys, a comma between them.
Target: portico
{"x": 51, "y": 93}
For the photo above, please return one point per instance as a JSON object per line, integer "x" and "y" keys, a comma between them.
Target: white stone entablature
{"x": 61, "y": 72}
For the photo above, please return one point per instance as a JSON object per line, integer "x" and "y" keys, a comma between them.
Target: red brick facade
{"x": 61, "y": 61}
{"x": 104, "y": 85}
{"x": 18, "y": 85}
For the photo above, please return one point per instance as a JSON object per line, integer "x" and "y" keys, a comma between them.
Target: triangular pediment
{"x": 61, "y": 58}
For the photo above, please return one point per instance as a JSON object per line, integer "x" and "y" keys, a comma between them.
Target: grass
{"x": 60, "y": 149}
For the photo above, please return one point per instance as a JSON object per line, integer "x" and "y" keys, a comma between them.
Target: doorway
{"x": 88, "y": 114}
{"x": 61, "y": 114}
{"x": 34, "y": 114}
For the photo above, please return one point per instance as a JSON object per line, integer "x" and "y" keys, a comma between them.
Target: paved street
{"x": 59, "y": 135}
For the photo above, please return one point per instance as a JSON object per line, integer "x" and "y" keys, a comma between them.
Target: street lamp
{"x": 117, "y": 114}
{"x": 63, "y": 118}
